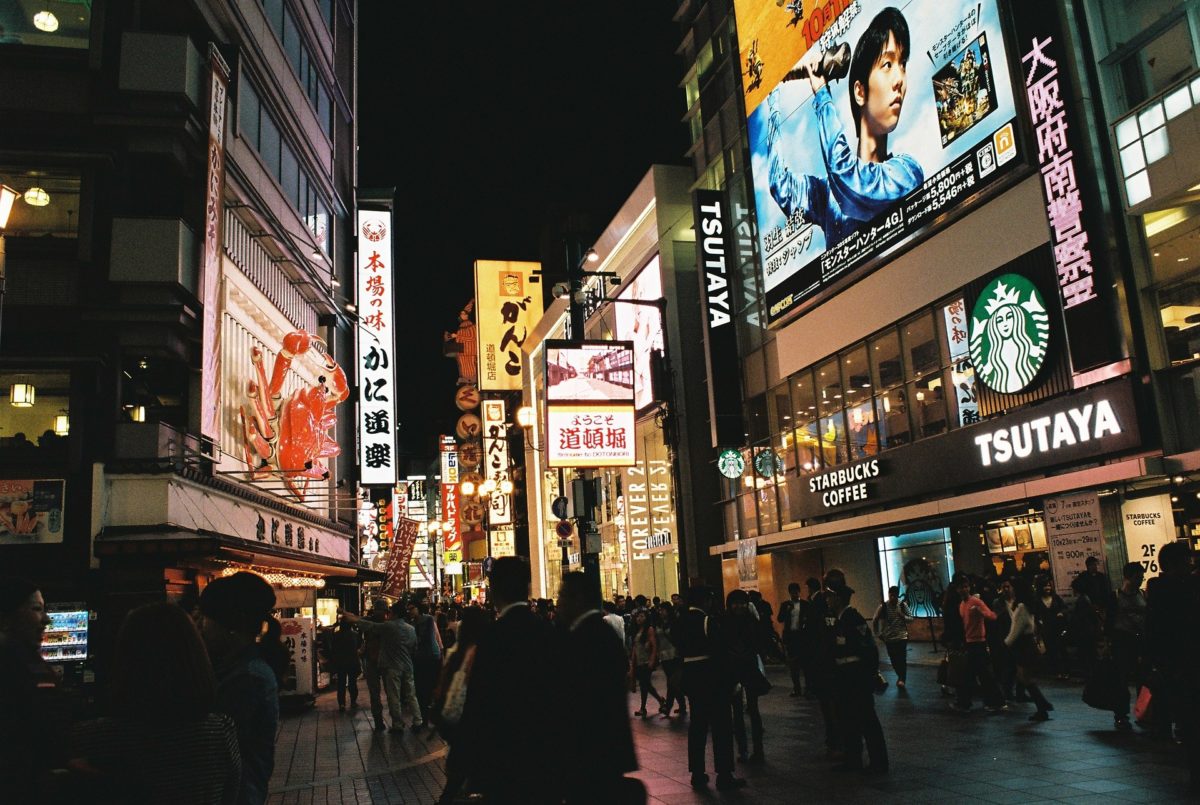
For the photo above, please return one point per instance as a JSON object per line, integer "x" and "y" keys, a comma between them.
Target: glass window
{"x": 892, "y": 414}
{"x": 829, "y": 387}
{"x": 921, "y": 565}
{"x": 289, "y": 174}
{"x": 52, "y": 24}
{"x": 780, "y": 406}
{"x": 749, "y": 517}
{"x": 729, "y": 513}
{"x": 291, "y": 40}
{"x": 1158, "y": 64}
{"x": 1179, "y": 308}
{"x": 48, "y": 206}
{"x": 789, "y": 498}
{"x": 274, "y": 12}
{"x": 29, "y": 415}
{"x": 249, "y": 108}
{"x": 326, "y": 7}
{"x": 324, "y": 111}
{"x": 860, "y": 426}
{"x": 833, "y": 439}
{"x": 269, "y": 149}
{"x": 921, "y": 351}
{"x": 885, "y": 360}
{"x": 768, "y": 514}
{"x": 928, "y": 396}
{"x": 759, "y": 427}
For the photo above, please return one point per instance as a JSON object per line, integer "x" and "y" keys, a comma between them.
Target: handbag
{"x": 456, "y": 692}
{"x": 957, "y": 669}
{"x": 1104, "y": 689}
{"x": 1141, "y": 708}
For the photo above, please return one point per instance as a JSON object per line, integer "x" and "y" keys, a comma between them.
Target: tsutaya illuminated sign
{"x": 1047, "y": 434}
{"x": 376, "y": 345}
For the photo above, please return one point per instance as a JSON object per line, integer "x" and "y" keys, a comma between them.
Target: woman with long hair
{"x": 161, "y": 741}
{"x": 1022, "y": 640}
{"x": 242, "y": 636}
{"x": 450, "y": 695}
{"x": 645, "y": 659}
{"x": 668, "y": 657}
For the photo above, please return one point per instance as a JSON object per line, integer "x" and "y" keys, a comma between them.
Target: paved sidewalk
{"x": 324, "y": 756}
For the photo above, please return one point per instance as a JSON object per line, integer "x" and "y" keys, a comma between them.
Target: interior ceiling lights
{"x": 45, "y": 21}
{"x": 37, "y": 197}
{"x": 22, "y": 395}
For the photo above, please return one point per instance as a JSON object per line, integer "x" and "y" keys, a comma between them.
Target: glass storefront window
{"x": 789, "y": 498}
{"x": 892, "y": 412}
{"x": 829, "y": 388}
{"x": 749, "y": 516}
{"x": 52, "y": 24}
{"x": 921, "y": 565}
{"x": 928, "y": 397}
{"x": 30, "y": 411}
{"x": 780, "y": 408}
{"x": 833, "y": 440}
{"x": 48, "y": 206}
{"x": 1179, "y": 307}
{"x": 860, "y": 424}
{"x": 921, "y": 353}
{"x": 757, "y": 419}
{"x": 885, "y": 360}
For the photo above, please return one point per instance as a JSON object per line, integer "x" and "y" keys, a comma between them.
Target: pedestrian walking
{"x": 644, "y": 660}
{"x": 669, "y": 659}
{"x": 973, "y": 613}
{"x": 397, "y": 648}
{"x": 1021, "y": 642}
{"x": 791, "y": 616}
{"x": 450, "y": 695}
{"x": 248, "y": 662}
{"x": 344, "y": 646}
{"x": 427, "y": 659}
{"x": 857, "y": 662}
{"x": 1127, "y": 632}
{"x": 742, "y": 637}
{"x": 598, "y": 741}
{"x": 1004, "y": 664}
{"x": 890, "y": 624}
{"x": 615, "y": 620}
{"x": 708, "y": 689}
{"x": 371, "y": 668}
{"x": 137, "y": 753}
{"x": 1050, "y": 612}
{"x": 512, "y": 728}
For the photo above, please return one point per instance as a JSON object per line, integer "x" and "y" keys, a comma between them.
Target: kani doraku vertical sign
{"x": 376, "y": 347}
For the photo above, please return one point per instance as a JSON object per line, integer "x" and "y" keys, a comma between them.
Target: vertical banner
{"x": 376, "y": 343}
{"x": 1071, "y": 190}
{"x": 495, "y": 451}
{"x": 397, "y": 568}
{"x": 1149, "y": 524}
{"x": 1074, "y": 532}
{"x": 384, "y": 511}
{"x": 747, "y": 564}
{"x": 716, "y": 269}
{"x": 210, "y": 272}
{"x": 297, "y": 636}
{"x": 508, "y": 305}
{"x": 452, "y": 533}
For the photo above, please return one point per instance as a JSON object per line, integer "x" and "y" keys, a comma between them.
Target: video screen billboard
{"x": 643, "y": 325}
{"x": 868, "y": 123}
{"x": 597, "y": 371}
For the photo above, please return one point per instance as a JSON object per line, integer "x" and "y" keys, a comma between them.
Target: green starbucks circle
{"x": 1009, "y": 334}
{"x": 731, "y": 464}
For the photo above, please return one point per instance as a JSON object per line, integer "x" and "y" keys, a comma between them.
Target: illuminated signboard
{"x": 590, "y": 410}
{"x": 508, "y": 305}
{"x": 642, "y": 324}
{"x": 495, "y": 449}
{"x": 590, "y": 436}
{"x": 452, "y": 536}
{"x": 376, "y": 346}
{"x": 595, "y": 371}
{"x": 868, "y": 123}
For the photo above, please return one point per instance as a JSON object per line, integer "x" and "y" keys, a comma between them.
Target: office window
{"x": 48, "y": 205}
{"x": 46, "y": 25}
{"x": 269, "y": 144}
{"x": 249, "y": 109}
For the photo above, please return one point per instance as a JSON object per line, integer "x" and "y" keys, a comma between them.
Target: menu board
{"x": 1075, "y": 532}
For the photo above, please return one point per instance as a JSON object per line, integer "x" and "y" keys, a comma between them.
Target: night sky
{"x": 491, "y": 119}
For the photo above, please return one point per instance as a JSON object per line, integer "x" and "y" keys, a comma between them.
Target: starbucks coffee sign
{"x": 1009, "y": 334}
{"x": 731, "y": 464}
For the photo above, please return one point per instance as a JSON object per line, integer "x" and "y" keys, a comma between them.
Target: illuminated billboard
{"x": 868, "y": 124}
{"x": 590, "y": 371}
{"x": 508, "y": 305}
{"x": 590, "y": 435}
{"x": 643, "y": 325}
{"x": 376, "y": 344}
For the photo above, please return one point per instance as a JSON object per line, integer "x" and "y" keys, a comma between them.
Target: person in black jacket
{"x": 598, "y": 740}
{"x": 510, "y": 731}
{"x": 742, "y": 638}
{"x": 856, "y": 659}
{"x": 791, "y": 615}
{"x": 709, "y": 690}
{"x": 344, "y": 645}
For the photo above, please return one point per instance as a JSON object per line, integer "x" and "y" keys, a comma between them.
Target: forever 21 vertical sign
{"x": 717, "y": 267}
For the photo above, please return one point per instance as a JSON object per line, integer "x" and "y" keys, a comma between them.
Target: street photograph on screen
{"x": 589, "y": 372}
{"x": 866, "y": 127}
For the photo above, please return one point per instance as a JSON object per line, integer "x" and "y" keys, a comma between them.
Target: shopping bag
{"x": 957, "y": 669}
{"x": 1141, "y": 708}
{"x": 1104, "y": 689}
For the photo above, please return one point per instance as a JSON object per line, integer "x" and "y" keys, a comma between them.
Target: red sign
{"x": 564, "y": 529}
{"x": 452, "y": 537}
{"x": 400, "y": 557}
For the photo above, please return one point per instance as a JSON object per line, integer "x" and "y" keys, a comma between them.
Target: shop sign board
{"x": 1010, "y": 334}
{"x": 718, "y": 257}
{"x": 31, "y": 512}
{"x": 399, "y": 560}
{"x": 1074, "y": 531}
{"x": 747, "y": 563}
{"x": 376, "y": 346}
{"x": 590, "y": 436}
{"x": 648, "y": 505}
{"x": 508, "y": 299}
{"x": 962, "y": 373}
{"x": 1096, "y": 421}
{"x": 1149, "y": 524}
{"x": 503, "y": 542}
{"x": 299, "y": 642}
{"x": 383, "y": 500}
{"x": 495, "y": 449}
{"x": 210, "y": 274}
{"x": 830, "y": 207}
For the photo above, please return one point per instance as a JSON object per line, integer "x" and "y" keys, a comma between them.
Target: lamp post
{"x": 8, "y": 197}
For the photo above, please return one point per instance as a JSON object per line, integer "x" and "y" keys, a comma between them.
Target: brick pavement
{"x": 324, "y": 756}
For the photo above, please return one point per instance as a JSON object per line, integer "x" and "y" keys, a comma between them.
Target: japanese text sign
{"x": 376, "y": 349}
{"x": 590, "y": 436}
{"x": 508, "y": 305}
{"x": 495, "y": 460}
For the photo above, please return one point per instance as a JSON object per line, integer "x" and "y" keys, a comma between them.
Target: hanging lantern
{"x": 22, "y": 395}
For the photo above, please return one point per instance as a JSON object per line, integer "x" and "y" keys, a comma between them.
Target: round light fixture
{"x": 45, "y": 21}
{"x": 37, "y": 197}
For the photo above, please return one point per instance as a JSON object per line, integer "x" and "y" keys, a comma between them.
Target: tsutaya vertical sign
{"x": 495, "y": 461}
{"x": 1074, "y": 532}
{"x": 508, "y": 305}
{"x": 210, "y": 276}
{"x": 1149, "y": 524}
{"x": 376, "y": 345}
{"x": 1073, "y": 206}
{"x": 717, "y": 263}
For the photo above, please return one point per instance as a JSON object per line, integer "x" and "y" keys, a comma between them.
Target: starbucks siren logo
{"x": 1010, "y": 332}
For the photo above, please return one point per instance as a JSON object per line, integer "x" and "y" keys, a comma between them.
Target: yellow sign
{"x": 508, "y": 305}
{"x": 450, "y": 557}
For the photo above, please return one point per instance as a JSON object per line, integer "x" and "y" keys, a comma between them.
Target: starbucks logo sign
{"x": 1009, "y": 334}
{"x": 731, "y": 464}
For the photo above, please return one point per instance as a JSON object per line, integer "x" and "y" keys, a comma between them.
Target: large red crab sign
{"x": 290, "y": 437}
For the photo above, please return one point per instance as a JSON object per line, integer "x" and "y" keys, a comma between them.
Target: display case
{"x": 66, "y": 638}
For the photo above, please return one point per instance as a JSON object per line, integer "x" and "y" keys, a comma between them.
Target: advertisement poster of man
{"x": 885, "y": 117}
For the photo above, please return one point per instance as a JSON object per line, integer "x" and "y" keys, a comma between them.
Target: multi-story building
{"x": 187, "y": 179}
{"x": 951, "y": 360}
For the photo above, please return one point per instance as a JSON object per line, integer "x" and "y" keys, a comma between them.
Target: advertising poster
{"x": 642, "y": 325}
{"x": 1149, "y": 524}
{"x": 376, "y": 344}
{"x": 503, "y": 542}
{"x": 868, "y": 122}
{"x": 508, "y": 305}
{"x": 1075, "y": 532}
{"x": 398, "y": 564}
{"x": 31, "y": 512}
{"x": 747, "y": 564}
{"x": 297, "y": 636}
{"x": 595, "y": 372}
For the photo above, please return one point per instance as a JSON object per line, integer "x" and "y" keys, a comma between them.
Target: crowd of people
{"x": 496, "y": 681}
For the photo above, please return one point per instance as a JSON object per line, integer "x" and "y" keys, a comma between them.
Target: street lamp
{"x": 8, "y": 197}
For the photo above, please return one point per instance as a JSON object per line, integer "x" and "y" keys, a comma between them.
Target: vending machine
{"x": 66, "y": 647}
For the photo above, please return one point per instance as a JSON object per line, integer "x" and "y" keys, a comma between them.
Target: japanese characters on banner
{"x": 297, "y": 636}
{"x": 503, "y": 542}
{"x": 452, "y": 536}
{"x": 1074, "y": 532}
{"x": 962, "y": 373}
{"x": 1149, "y": 524}
{"x": 495, "y": 449}
{"x": 591, "y": 436}
{"x": 376, "y": 346}
{"x": 508, "y": 298}
{"x": 397, "y": 569}
{"x": 1077, "y": 229}
{"x": 210, "y": 275}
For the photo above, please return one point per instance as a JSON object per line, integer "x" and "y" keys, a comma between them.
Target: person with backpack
{"x": 856, "y": 659}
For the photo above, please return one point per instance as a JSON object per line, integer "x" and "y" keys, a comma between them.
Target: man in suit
{"x": 791, "y": 615}
{"x": 510, "y": 727}
{"x": 598, "y": 740}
